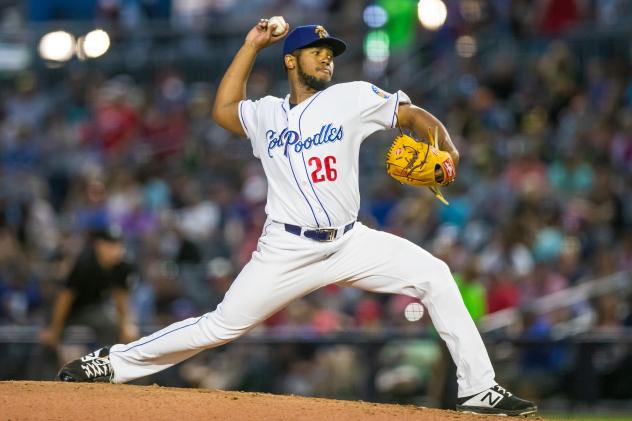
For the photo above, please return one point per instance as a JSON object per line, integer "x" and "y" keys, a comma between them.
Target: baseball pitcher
{"x": 308, "y": 144}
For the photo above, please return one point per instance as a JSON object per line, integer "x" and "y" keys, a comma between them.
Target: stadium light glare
{"x": 57, "y": 46}
{"x": 471, "y": 10}
{"x": 466, "y": 46}
{"x": 95, "y": 43}
{"x": 432, "y": 14}
{"x": 81, "y": 54}
{"x": 377, "y": 46}
{"x": 375, "y": 16}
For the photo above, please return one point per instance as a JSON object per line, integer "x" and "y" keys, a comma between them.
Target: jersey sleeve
{"x": 75, "y": 277}
{"x": 254, "y": 116}
{"x": 378, "y": 108}
{"x": 122, "y": 275}
{"x": 80, "y": 270}
{"x": 249, "y": 118}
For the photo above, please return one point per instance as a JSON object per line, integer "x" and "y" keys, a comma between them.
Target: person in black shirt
{"x": 99, "y": 273}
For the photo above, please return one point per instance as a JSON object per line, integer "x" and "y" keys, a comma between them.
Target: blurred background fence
{"x": 113, "y": 128}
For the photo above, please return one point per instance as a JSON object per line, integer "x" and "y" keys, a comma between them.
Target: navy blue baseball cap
{"x": 308, "y": 35}
{"x": 112, "y": 234}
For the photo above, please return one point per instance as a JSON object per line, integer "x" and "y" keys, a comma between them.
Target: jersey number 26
{"x": 329, "y": 173}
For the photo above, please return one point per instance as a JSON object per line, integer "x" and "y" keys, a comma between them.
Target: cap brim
{"x": 113, "y": 236}
{"x": 338, "y": 46}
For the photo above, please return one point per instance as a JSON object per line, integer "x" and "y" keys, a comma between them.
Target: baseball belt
{"x": 319, "y": 234}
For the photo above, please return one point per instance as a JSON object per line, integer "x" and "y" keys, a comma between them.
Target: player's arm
{"x": 419, "y": 121}
{"x": 232, "y": 88}
{"x": 50, "y": 335}
{"x": 127, "y": 330}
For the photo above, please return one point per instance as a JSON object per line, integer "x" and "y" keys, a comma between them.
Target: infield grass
{"x": 590, "y": 417}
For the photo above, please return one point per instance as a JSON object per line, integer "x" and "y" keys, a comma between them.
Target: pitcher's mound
{"x": 93, "y": 401}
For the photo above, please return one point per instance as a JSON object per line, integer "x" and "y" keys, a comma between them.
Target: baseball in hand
{"x": 280, "y": 25}
{"x": 414, "y": 312}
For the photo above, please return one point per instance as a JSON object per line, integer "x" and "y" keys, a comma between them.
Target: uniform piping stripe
{"x": 241, "y": 118}
{"x": 295, "y": 179}
{"x": 289, "y": 158}
{"x": 395, "y": 110}
{"x": 164, "y": 334}
{"x": 300, "y": 133}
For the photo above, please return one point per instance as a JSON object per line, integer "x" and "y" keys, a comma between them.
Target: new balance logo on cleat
{"x": 492, "y": 397}
{"x": 94, "y": 367}
{"x": 496, "y": 401}
{"x": 91, "y": 356}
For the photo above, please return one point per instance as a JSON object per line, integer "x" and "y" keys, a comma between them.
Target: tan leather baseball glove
{"x": 418, "y": 163}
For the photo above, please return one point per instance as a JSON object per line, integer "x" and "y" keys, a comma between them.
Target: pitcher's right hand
{"x": 260, "y": 36}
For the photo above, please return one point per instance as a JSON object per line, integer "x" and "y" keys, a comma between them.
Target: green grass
{"x": 591, "y": 417}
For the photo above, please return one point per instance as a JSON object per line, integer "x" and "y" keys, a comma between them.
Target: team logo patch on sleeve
{"x": 380, "y": 92}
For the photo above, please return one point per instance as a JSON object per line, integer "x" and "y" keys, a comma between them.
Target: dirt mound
{"x": 89, "y": 401}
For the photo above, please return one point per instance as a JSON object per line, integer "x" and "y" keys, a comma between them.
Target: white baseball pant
{"x": 286, "y": 267}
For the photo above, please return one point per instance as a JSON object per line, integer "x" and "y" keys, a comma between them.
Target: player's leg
{"x": 381, "y": 262}
{"x": 283, "y": 268}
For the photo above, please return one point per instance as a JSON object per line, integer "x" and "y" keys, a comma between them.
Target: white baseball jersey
{"x": 310, "y": 152}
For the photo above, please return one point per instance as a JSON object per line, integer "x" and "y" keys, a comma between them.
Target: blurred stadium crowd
{"x": 542, "y": 201}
